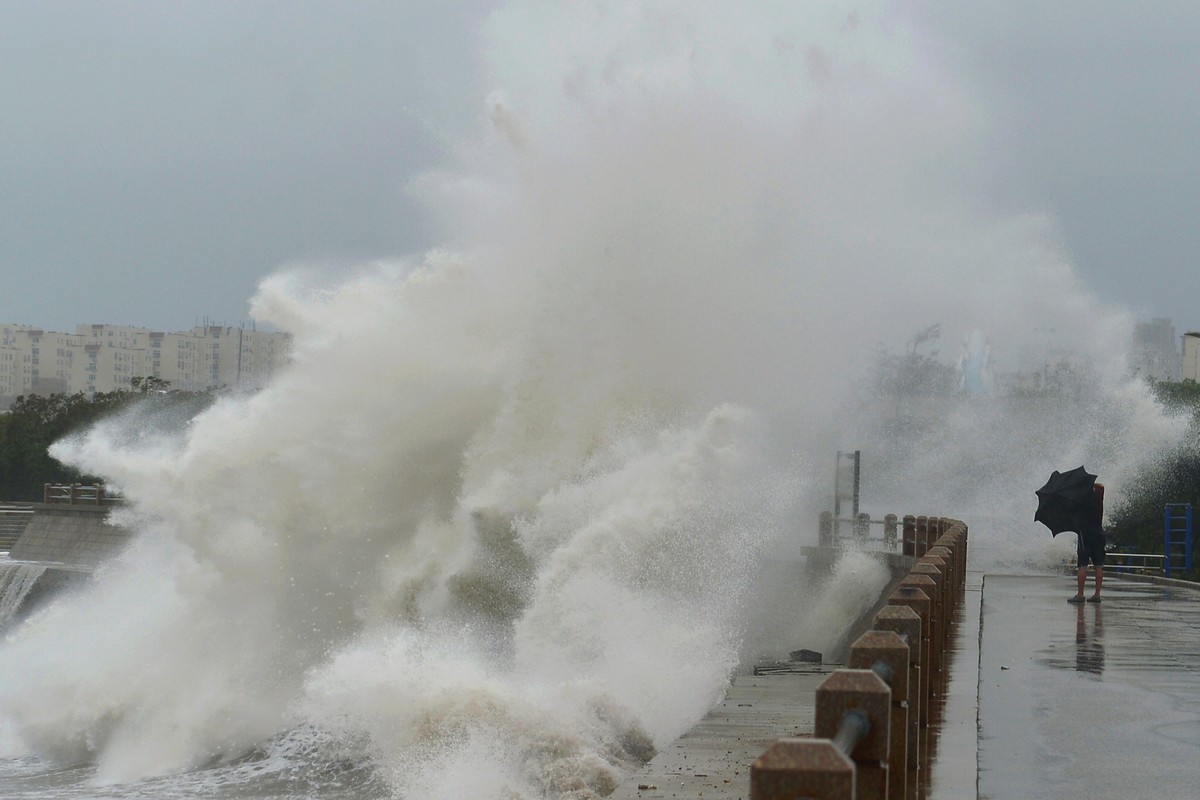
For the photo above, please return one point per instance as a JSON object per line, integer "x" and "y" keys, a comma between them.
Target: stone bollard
{"x": 825, "y": 526}
{"x": 858, "y": 691}
{"x": 958, "y": 534}
{"x": 887, "y": 654}
{"x": 938, "y": 635}
{"x": 905, "y": 622}
{"x": 935, "y": 569}
{"x": 943, "y": 550}
{"x": 917, "y": 600}
{"x": 944, "y": 560}
{"x": 802, "y": 768}
{"x": 889, "y": 531}
{"x": 964, "y": 535}
{"x": 952, "y": 543}
{"x": 862, "y": 526}
{"x": 931, "y": 631}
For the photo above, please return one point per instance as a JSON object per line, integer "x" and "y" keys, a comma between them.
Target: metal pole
{"x": 837, "y": 496}
{"x": 857, "y": 476}
{"x": 853, "y": 729}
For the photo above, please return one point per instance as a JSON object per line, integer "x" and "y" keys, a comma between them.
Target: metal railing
{"x": 78, "y": 494}
{"x": 1135, "y": 563}
{"x": 830, "y": 529}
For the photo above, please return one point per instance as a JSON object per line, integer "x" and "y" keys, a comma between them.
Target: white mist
{"x": 496, "y": 529}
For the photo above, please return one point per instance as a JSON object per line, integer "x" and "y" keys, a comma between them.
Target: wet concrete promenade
{"x": 1096, "y": 701}
{"x": 1044, "y": 699}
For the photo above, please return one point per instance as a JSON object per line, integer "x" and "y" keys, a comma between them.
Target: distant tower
{"x": 975, "y": 366}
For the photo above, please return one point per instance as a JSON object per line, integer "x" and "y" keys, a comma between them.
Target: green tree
{"x": 915, "y": 374}
{"x": 35, "y": 422}
{"x": 1136, "y": 523}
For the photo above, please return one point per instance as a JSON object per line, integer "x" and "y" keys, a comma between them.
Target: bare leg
{"x": 1082, "y": 580}
{"x": 1099, "y": 580}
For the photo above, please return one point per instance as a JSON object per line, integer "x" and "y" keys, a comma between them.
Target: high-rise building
{"x": 1154, "y": 354}
{"x": 1191, "y": 356}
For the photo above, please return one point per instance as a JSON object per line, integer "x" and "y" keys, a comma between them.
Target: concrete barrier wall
{"x": 14, "y": 517}
{"x": 75, "y": 536}
{"x": 872, "y": 737}
{"x": 69, "y": 540}
{"x": 49, "y": 584}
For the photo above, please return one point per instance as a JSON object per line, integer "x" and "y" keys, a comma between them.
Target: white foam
{"x": 500, "y": 515}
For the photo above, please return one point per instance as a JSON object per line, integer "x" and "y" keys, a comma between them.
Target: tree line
{"x": 1136, "y": 523}
{"x": 34, "y": 422}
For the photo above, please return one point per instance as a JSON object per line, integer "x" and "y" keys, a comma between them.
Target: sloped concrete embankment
{"x": 70, "y": 541}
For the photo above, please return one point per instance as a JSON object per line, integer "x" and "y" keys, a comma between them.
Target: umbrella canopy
{"x": 1062, "y": 501}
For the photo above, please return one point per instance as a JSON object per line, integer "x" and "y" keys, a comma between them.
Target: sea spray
{"x": 854, "y": 585}
{"x": 17, "y": 579}
{"x": 495, "y": 530}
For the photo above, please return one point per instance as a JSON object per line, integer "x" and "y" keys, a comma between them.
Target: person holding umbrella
{"x": 1073, "y": 501}
{"x": 1091, "y": 543}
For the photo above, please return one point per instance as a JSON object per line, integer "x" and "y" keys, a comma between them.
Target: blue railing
{"x": 1177, "y": 538}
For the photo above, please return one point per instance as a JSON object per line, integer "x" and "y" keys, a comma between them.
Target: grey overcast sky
{"x": 158, "y": 159}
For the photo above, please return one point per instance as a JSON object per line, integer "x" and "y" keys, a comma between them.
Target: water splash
{"x": 497, "y": 527}
{"x": 17, "y": 579}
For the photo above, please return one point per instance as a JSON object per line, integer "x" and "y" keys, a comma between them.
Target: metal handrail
{"x": 1139, "y": 563}
{"x": 853, "y": 728}
{"x": 78, "y": 494}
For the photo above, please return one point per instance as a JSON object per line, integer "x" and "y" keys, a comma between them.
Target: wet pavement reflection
{"x": 1097, "y": 700}
{"x": 951, "y": 771}
{"x": 1089, "y": 645}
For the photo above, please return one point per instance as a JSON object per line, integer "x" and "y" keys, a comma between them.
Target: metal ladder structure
{"x": 1177, "y": 538}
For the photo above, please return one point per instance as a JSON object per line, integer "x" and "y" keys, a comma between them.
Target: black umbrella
{"x": 1061, "y": 502}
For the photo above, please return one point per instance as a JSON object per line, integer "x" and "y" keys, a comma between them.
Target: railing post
{"x": 889, "y": 530}
{"x": 917, "y": 600}
{"x": 905, "y": 622}
{"x": 932, "y": 630}
{"x": 862, "y": 526}
{"x": 910, "y": 536}
{"x": 934, "y": 569}
{"x": 858, "y": 691}
{"x": 922, "y": 540}
{"x": 887, "y": 654}
{"x": 825, "y": 526}
{"x": 941, "y": 557}
{"x": 802, "y": 768}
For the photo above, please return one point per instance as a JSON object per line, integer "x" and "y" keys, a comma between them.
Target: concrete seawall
{"x": 821, "y": 561}
{"x": 75, "y": 536}
{"x": 69, "y": 540}
{"x": 14, "y": 518}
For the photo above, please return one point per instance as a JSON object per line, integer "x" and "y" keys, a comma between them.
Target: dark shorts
{"x": 1091, "y": 548}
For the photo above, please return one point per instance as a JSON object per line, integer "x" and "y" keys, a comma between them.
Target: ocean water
{"x": 501, "y": 528}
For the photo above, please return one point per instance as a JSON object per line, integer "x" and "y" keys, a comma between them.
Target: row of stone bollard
{"x": 872, "y": 728}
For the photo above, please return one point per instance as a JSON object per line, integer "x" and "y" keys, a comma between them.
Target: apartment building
{"x": 1154, "y": 354}
{"x": 1191, "y": 356}
{"x": 14, "y": 360}
{"x": 105, "y": 358}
